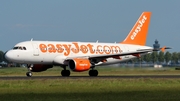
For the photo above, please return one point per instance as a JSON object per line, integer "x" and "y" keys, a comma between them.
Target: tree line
{"x": 154, "y": 57}
{"x": 160, "y": 58}
{"x": 2, "y": 58}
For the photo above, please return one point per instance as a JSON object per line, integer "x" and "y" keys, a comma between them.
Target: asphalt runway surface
{"x": 88, "y": 77}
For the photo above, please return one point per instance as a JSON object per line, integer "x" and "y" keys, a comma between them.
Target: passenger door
{"x": 36, "y": 51}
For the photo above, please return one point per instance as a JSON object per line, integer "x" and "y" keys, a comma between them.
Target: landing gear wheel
{"x": 65, "y": 73}
{"x": 93, "y": 73}
{"x": 29, "y": 74}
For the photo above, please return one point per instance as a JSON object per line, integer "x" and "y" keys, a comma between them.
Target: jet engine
{"x": 79, "y": 64}
{"x": 40, "y": 67}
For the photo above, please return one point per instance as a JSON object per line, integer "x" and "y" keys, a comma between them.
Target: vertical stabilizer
{"x": 138, "y": 34}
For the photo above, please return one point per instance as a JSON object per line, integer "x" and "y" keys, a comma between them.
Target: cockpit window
{"x": 19, "y": 48}
{"x": 15, "y": 48}
{"x": 24, "y": 48}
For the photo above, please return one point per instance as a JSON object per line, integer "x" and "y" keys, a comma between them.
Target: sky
{"x": 87, "y": 20}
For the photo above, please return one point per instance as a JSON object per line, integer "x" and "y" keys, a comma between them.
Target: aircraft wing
{"x": 135, "y": 53}
{"x": 155, "y": 49}
{"x": 117, "y": 55}
{"x": 121, "y": 54}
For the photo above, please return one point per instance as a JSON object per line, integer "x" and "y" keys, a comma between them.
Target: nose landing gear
{"x": 29, "y": 73}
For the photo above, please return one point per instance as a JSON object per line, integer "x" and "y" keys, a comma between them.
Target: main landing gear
{"x": 93, "y": 72}
{"x": 67, "y": 72}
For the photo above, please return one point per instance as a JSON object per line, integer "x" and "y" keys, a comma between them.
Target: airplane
{"x": 81, "y": 56}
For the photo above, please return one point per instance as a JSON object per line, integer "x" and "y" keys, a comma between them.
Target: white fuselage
{"x": 54, "y": 52}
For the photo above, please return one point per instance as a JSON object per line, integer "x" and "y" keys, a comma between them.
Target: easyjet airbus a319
{"x": 81, "y": 56}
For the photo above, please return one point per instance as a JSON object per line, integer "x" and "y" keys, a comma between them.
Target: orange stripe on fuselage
{"x": 74, "y": 47}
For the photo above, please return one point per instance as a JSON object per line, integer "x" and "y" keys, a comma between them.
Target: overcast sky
{"x": 87, "y": 20}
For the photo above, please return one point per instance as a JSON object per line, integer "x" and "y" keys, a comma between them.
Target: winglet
{"x": 139, "y": 32}
{"x": 163, "y": 48}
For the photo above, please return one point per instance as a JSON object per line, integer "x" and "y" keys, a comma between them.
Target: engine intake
{"x": 79, "y": 64}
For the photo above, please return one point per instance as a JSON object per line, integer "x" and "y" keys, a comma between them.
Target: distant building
{"x": 156, "y": 45}
{"x": 3, "y": 64}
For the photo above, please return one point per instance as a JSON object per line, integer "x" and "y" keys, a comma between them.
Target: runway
{"x": 88, "y": 77}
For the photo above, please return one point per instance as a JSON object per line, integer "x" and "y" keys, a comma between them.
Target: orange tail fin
{"x": 139, "y": 32}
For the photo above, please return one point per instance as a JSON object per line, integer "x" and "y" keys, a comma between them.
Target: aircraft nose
{"x": 9, "y": 55}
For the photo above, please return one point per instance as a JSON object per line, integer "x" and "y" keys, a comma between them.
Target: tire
{"x": 29, "y": 74}
{"x": 65, "y": 73}
{"x": 93, "y": 73}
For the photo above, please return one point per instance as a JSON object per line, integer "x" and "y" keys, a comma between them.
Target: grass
{"x": 95, "y": 89}
{"x": 90, "y": 90}
{"x": 103, "y": 71}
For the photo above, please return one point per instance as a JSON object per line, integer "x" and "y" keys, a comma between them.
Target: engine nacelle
{"x": 79, "y": 64}
{"x": 40, "y": 67}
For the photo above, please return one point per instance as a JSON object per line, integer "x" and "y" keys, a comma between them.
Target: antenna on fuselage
{"x": 31, "y": 39}
{"x": 97, "y": 41}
